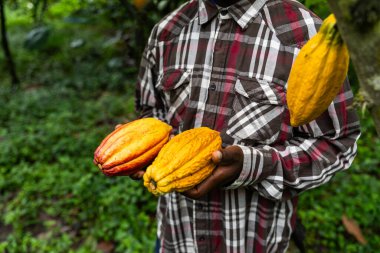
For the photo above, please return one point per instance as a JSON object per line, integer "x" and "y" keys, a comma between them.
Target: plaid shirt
{"x": 227, "y": 69}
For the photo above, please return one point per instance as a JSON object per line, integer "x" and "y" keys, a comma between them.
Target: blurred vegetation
{"x": 77, "y": 62}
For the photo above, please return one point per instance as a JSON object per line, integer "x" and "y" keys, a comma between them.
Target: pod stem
{"x": 153, "y": 184}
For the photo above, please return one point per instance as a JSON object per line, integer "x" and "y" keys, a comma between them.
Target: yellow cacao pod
{"x": 317, "y": 75}
{"x": 131, "y": 146}
{"x": 183, "y": 162}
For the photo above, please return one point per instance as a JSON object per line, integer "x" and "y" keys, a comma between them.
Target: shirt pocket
{"x": 258, "y": 111}
{"x": 175, "y": 87}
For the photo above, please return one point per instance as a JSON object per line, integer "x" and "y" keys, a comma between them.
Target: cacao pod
{"x": 317, "y": 74}
{"x": 131, "y": 146}
{"x": 183, "y": 162}
{"x": 140, "y": 4}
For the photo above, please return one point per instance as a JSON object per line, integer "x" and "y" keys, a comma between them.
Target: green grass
{"x": 52, "y": 197}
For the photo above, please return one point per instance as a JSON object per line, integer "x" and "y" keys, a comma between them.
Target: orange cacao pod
{"x": 131, "y": 146}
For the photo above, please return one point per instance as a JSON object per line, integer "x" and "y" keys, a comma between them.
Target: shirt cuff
{"x": 256, "y": 164}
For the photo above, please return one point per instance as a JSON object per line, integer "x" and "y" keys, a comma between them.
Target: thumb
{"x": 228, "y": 155}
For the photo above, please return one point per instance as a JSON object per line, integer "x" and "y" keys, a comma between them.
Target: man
{"x": 225, "y": 65}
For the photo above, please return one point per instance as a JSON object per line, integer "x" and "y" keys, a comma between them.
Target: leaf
{"x": 76, "y": 20}
{"x": 162, "y": 5}
{"x": 115, "y": 63}
{"x": 113, "y": 41}
{"x": 105, "y": 247}
{"x": 353, "y": 228}
{"x": 77, "y": 43}
{"x": 36, "y": 38}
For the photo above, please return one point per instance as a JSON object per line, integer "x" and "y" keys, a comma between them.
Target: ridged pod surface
{"x": 317, "y": 75}
{"x": 131, "y": 146}
{"x": 183, "y": 162}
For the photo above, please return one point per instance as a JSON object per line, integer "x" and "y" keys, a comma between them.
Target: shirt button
{"x": 224, "y": 12}
{"x": 201, "y": 238}
{"x": 213, "y": 87}
{"x": 200, "y": 207}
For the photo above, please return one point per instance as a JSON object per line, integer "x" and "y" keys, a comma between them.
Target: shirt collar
{"x": 243, "y": 12}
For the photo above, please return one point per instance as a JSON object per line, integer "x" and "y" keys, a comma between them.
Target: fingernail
{"x": 218, "y": 155}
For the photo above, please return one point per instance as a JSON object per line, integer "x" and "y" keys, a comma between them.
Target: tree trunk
{"x": 359, "y": 25}
{"x": 5, "y": 45}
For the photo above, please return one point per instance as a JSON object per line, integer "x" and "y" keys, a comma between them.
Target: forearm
{"x": 309, "y": 159}
{"x": 281, "y": 172}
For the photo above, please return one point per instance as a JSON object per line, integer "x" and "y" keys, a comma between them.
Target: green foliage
{"x": 53, "y": 197}
{"x": 355, "y": 193}
{"x": 320, "y": 7}
{"x": 76, "y": 86}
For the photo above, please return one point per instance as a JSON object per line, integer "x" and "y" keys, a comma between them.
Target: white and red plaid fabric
{"x": 227, "y": 69}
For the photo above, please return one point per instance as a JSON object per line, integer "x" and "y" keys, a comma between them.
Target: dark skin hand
{"x": 137, "y": 175}
{"x": 229, "y": 165}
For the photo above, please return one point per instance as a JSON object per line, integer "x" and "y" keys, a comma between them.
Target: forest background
{"x": 76, "y": 64}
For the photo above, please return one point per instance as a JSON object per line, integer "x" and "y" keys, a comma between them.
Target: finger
{"x": 137, "y": 175}
{"x": 228, "y": 155}
{"x": 118, "y": 125}
{"x": 214, "y": 180}
{"x": 171, "y": 137}
{"x": 217, "y": 156}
